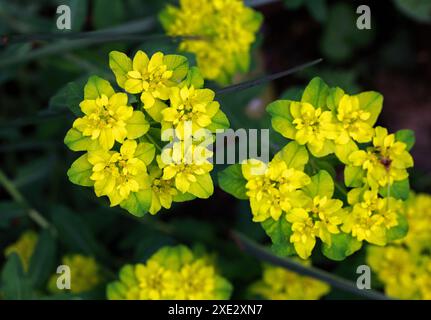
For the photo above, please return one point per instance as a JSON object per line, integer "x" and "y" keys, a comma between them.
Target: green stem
{"x": 18, "y": 197}
{"x": 261, "y": 253}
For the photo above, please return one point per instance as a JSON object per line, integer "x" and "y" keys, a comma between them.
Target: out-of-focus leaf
{"x": 75, "y": 234}
{"x": 341, "y": 36}
{"x": 69, "y": 97}
{"x": 232, "y": 181}
{"x": 419, "y": 10}
{"x": 8, "y": 211}
{"x": 107, "y": 15}
{"x": 15, "y": 285}
{"x": 43, "y": 259}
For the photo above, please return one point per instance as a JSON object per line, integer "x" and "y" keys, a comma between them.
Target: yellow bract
{"x": 386, "y": 161}
{"x": 149, "y": 76}
{"x": 117, "y": 174}
{"x": 371, "y": 216}
{"x": 314, "y": 127}
{"x": 186, "y": 164}
{"x": 272, "y": 188}
{"x": 321, "y": 217}
{"x": 353, "y": 121}
{"x": 188, "y": 104}
{"x": 280, "y": 284}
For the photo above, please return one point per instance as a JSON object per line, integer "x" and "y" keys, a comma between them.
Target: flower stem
{"x": 261, "y": 253}
{"x": 18, "y": 197}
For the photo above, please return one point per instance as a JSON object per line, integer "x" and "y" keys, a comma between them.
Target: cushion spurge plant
{"x": 297, "y": 196}
{"x": 129, "y": 155}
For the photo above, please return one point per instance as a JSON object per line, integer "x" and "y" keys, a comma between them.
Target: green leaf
{"x": 120, "y": 64}
{"x": 78, "y": 12}
{"x": 372, "y": 102}
{"x": 407, "y": 136}
{"x": 203, "y": 187}
{"x": 344, "y": 151}
{"x": 316, "y": 93}
{"x": 232, "y": 181}
{"x": 15, "y": 284}
{"x": 279, "y": 232}
{"x": 342, "y": 246}
{"x": 77, "y": 142}
{"x": 321, "y": 184}
{"x": 281, "y": 118}
{"x": 218, "y": 121}
{"x": 334, "y": 97}
{"x": 178, "y": 64}
{"x": 398, "y": 190}
{"x": 318, "y": 9}
{"x": 108, "y": 15}
{"x": 80, "y": 171}
{"x": 97, "y": 86}
{"x": 138, "y": 203}
{"x": 419, "y": 10}
{"x": 353, "y": 176}
{"x": 75, "y": 233}
{"x": 43, "y": 259}
{"x": 400, "y": 230}
{"x": 293, "y": 4}
{"x": 341, "y": 37}
{"x": 9, "y": 211}
{"x": 145, "y": 152}
{"x": 194, "y": 78}
{"x": 137, "y": 125}
{"x": 69, "y": 97}
{"x": 294, "y": 155}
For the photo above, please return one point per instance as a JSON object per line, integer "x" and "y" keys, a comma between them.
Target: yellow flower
{"x": 353, "y": 120}
{"x": 321, "y": 217}
{"x": 418, "y": 211}
{"x": 107, "y": 117}
{"x": 222, "y": 30}
{"x": 280, "y": 284}
{"x": 189, "y": 166}
{"x": 371, "y": 217}
{"x": 149, "y": 76}
{"x": 155, "y": 281}
{"x": 85, "y": 274}
{"x": 163, "y": 191}
{"x": 189, "y": 104}
{"x": 313, "y": 127}
{"x": 117, "y": 174}
{"x": 397, "y": 268}
{"x": 386, "y": 161}
{"x": 24, "y": 248}
{"x": 272, "y": 188}
{"x": 172, "y": 273}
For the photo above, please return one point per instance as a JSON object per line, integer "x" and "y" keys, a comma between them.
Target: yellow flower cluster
{"x": 220, "y": 34}
{"x": 85, "y": 274}
{"x": 293, "y": 195}
{"x": 280, "y": 284}
{"x": 24, "y": 248}
{"x": 404, "y": 267}
{"x": 124, "y": 159}
{"x": 172, "y": 273}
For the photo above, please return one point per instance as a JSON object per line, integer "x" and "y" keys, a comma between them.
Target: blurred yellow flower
{"x": 280, "y": 284}
{"x": 23, "y": 247}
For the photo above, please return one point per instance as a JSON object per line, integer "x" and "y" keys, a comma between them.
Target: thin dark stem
{"x": 268, "y": 78}
{"x": 261, "y": 253}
